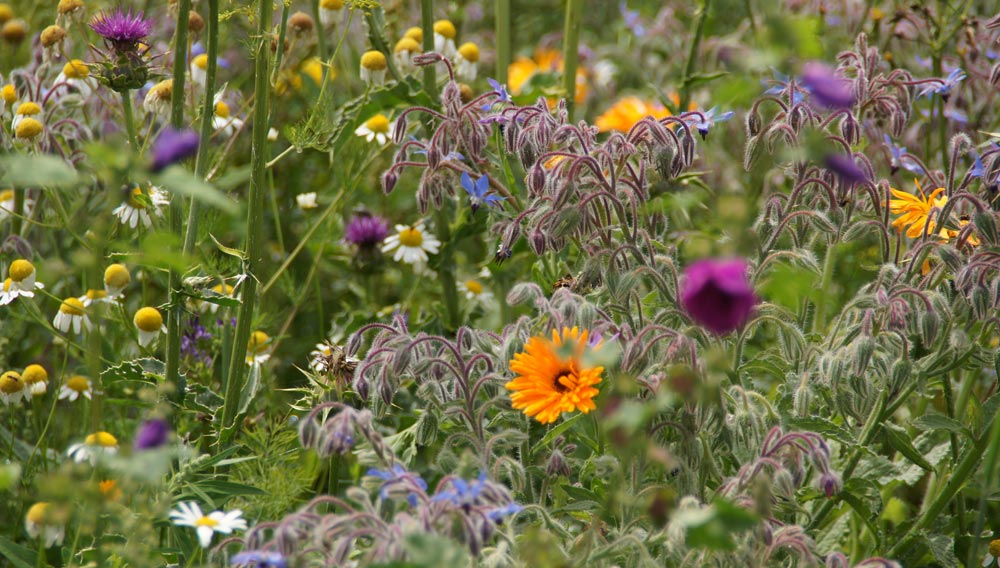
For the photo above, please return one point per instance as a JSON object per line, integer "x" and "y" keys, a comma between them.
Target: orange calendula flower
{"x": 627, "y": 111}
{"x": 544, "y": 61}
{"x": 915, "y": 210}
{"x": 551, "y": 377}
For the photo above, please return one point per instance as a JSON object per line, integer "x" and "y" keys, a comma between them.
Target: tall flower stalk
{"x": 571, "y": 52}
{"x": 207, "y": 114}
{"x": 503, "y": 39}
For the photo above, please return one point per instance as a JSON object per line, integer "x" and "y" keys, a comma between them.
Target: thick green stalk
{"x": 176, "y": 204}
{"x": 503, "y": 39}
{"x": 133, "y": 140}
{"x": 320, "y": 34}
{"x": 255, "y": 209}
{"x": 571, "y": 52}
{"x": 207, "y": 113}
{"x": 685, "y": 95}
{"x": 427, "y": 23}
{"x": 280, "y": 53}
{"x": 446, "y": 271}
{"x": 992, "y": 455}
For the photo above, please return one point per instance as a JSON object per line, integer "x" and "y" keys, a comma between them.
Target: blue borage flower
{"x": 260, "y": 559}
{"x": 398, "y": 477}
{"x": 463, "y": 493}
{"x": 632, "y": 20}
{"x": 477, "y": 191}
{"x": 497, "y": 515}
{"x": 944, "y": 86}
{"x": 703, "y": 121}
{"x": 900, "y": 159}
{"x": 781, "y": 84}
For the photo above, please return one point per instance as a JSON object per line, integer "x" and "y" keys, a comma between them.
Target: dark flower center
{"x": 563, "y": 373}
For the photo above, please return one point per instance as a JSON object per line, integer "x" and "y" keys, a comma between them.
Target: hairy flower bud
{"x": 389, "y": 180}
{"x": 864, "y": 348}
{"x": 995, "y": 75}
{"x": 850, "y": 129}
{"x": 930, "y": 325}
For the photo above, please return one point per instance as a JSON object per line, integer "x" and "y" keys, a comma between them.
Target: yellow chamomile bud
{"x": 29, "y": 130}
{"x": 21, "y": 270}
{"x": 373, "y": 66}
{"x": 76, "y": 69}
{"x": 467, "y": 60}
{"x": 69, "y": 6}
{"x": 9, "y": 94}
{"x": 149, "y": 322}
{"x": 415, "y": 33}
{"x": 36, "y": 379}
{"x": 52, "y": 35}
{"x": 116, "y": 278}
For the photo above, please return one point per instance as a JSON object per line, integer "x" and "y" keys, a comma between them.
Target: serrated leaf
{"x": 135, "y": 370}
{"x": 830, "y": 541}
{"x": 900, "y": 442}
{"x": 943, "y": 549}
{"x": 935, "y": 421}
{"x": 19, "y": 170}
{"x": 228, "y": 488}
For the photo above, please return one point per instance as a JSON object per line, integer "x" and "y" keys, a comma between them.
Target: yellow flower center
{"x": 331, "y": 4}
{"x": 445, "y": 28}
{"x": 72, "y": 306}
{"x": 206, "y": 522}
{"x": 224, "y": 289}
{"x": 96, "y": 294}
{"x": 162, "y": 90}
{"x": 200, "y": 61}
{"x": 10, "y": 383}
{"x": 28, "y": 128}
{"x": 76, "y": 69}
{"x": 67, "y": 6}
{"x": 7, "y": 195}
{"x": 28, "y": 108}
{"x": 35, "y": 374}
{"x": 373, "y": 60}
{"x": 21, "y": 269}
{"x": 258, "y": 342}
{"x": 378, "y": 124}
{"x": 474, "y": 287}
{"x": 134, "y": 201}
{"x": 407, "y": 44}
{"x": 9, "y": 93}
{"x": 221, "y": 109}
{"x": 469, "y": 52}
{"x": 411, "y": 237}
{"x": 78, "y": 384}
{"x": 37, "y": 513}
{"x": 117, "y": 276}
{"x": 101, "y": 439}
{"x": 6, "y": 285}
{"x": 995, "y": 548}
{"x": 148, "y": 319}
{"x": 415, "y": 33}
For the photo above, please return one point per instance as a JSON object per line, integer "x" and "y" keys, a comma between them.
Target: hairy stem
{"x": 207, "y": 113}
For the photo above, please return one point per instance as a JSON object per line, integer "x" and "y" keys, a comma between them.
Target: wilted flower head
{"x": 717, "y": 295}
{"x": 121, "y": 29}
{"x": 172, "y": 146}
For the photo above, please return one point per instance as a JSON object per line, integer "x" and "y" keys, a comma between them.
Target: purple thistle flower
{"x": 172, "y": 146}
{"x": 152, "y": 434}
{"x": 260, "y": 559}
{"x": 717, "y": 295}
{"x": 845, "y": 168}
{"x": 366, "y": 231}
{"x": 826, "y": 88}
{"x": 477, "y": 191}
{"x": 122, "y": 29}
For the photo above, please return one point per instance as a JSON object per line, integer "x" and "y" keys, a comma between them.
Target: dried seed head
{"x": 195, "y": 22}
{"x": 300, "y": 23}
{"x": 52, "y": 35}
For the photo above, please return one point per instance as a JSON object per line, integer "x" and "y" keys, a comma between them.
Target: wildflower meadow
{"x": 560, "y": 283}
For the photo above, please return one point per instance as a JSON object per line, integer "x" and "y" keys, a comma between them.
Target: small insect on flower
{"x": 41, "y": 522}
{"x": 467, "y": 61}
{"x": 444, "y": 38}
{"x": 149, "y": 322}
{"x": 138, "y": 205}
{"x": 717, "y": 294}
{"x": 189, "y": 515}
{"x": 116, "y": 279}
{"x": 406, "y": 48}
{"x": 377, "y": 128}
{"x": 329, "y": 11}
{"x": 76, "y": 387}
{"x": 915, "y": 211}
{"x": 552, "y": 377}
{"x": 94, "y": 447}
{"x": 477, "y": 192}
{"x": 72, "y": 315}
{"x": 258, "y": 348}
{"x": 373, "y": 68}
{"x": 21, "y": 281}
{"x": 13, "y": 389}
{"x": 36, "y": 379}
{"x": 411, "y": 244}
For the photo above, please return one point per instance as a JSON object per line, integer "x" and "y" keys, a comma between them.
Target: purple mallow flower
{"x": 123, "y": 30}
{"x": 717, "y": 295}
{"x": 477, "y": 191}
{"x": 260, "y": 559}
{"x": 172, "y": 146}
{"x": 827, "y": 89}
{"x": 152, "y": 434}
{"x": 366, "y": 231}
{"x": 845, "y": 168}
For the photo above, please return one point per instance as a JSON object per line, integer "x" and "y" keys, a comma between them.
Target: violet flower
{"x": 845, "y": 168}
{"x": 260, "y": 559}
{"x": 366, "y": 231}
{"x": 122, "y": 30}
{"x": 717, "y": 295}
{"x": 632, "y": 20}
{"x": 463, "y": 493}
{"x": 943, "y": 86}
{"x": 152, "y": 434}
{"x": 826, "y": 87}
{"x": 173, "y": 146}
{"x": 703, "y": 121}
{"x": 477, "y": 191}
{"x": 899, "y": 158}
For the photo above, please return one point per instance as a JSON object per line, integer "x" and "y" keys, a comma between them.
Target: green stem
{"x": 503, "y": 39}
{"x": 949, "y": 405}
{"x": 571, "y": 53}
{"x": 207, "y": 113}
{"x": 685, "y": 94}
{"x": 376, "y": 25}
{"x": 320, "y": 35}
{"x": 279, "y": 53}
{"x": 446, "y": 270}
{"x": 427, "y": 23}
{"x": 992, "y": 454}
{"x": 18, "y": 210}
{"x": 819, "y": 320}
{"x": 133, "y": 140}
{"x": 254, "y": 255}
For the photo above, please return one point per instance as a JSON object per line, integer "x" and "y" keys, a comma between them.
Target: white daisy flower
{"x": 38, "y": 522}
{"x": 306, "y": 200}
{"x": 36, "y": 379}
{"x": 94, "y": 447}
{"x": 76, "y": 387}
{"x": 189, "y": 515}
{"x": 13, "y": 389}
{"x": 95, "y": 296}
{"x": 467, "y": 61}
{"x": 373, "y": 68}
{"x": 329, "y": 11}
{"x": 157, "y": 101}
{"x": 444, "y": 38}
{"x": 21, "y": 281}
{"x": 199, "y": 69}
{"x": 218, "y": 290}
{"x": 223, "y": 121}
{"x": 149, "y": 322}
{"x": 76, "y": 75}
{"x": 404, "y": 51}
{"x": 24, "y": 111}
{"x": 72, "y": 315}
{"x": 411, "y": 244}
{"x": 137, "y": 207}
{"x": 258, "y": 348}
{"x": 376, "y": 128}
{"x": 992, "y": 553}
{"x": 474, "y": 290}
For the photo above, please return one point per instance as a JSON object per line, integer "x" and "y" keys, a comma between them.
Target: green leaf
{"x": 250, "y": 389}
{"x": 228, "y": 488}
{"x": 900, "y": 442}
{"x": 9, "y": 474}
{"x": 558, "y": 431}
{"x": 135, "y": 370}
{"x": 822, "y": 426}
{"x": 943, "y": 548}
{"x": 178, "y": 180}
{"x": 17, "y": 555}
{"x": 713, "y": 527}
{"x": 230, "y": 251}
{"x": 36, "y": 171}
{"x": 935, "y": 421}
{"x": 831, "y": 537}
